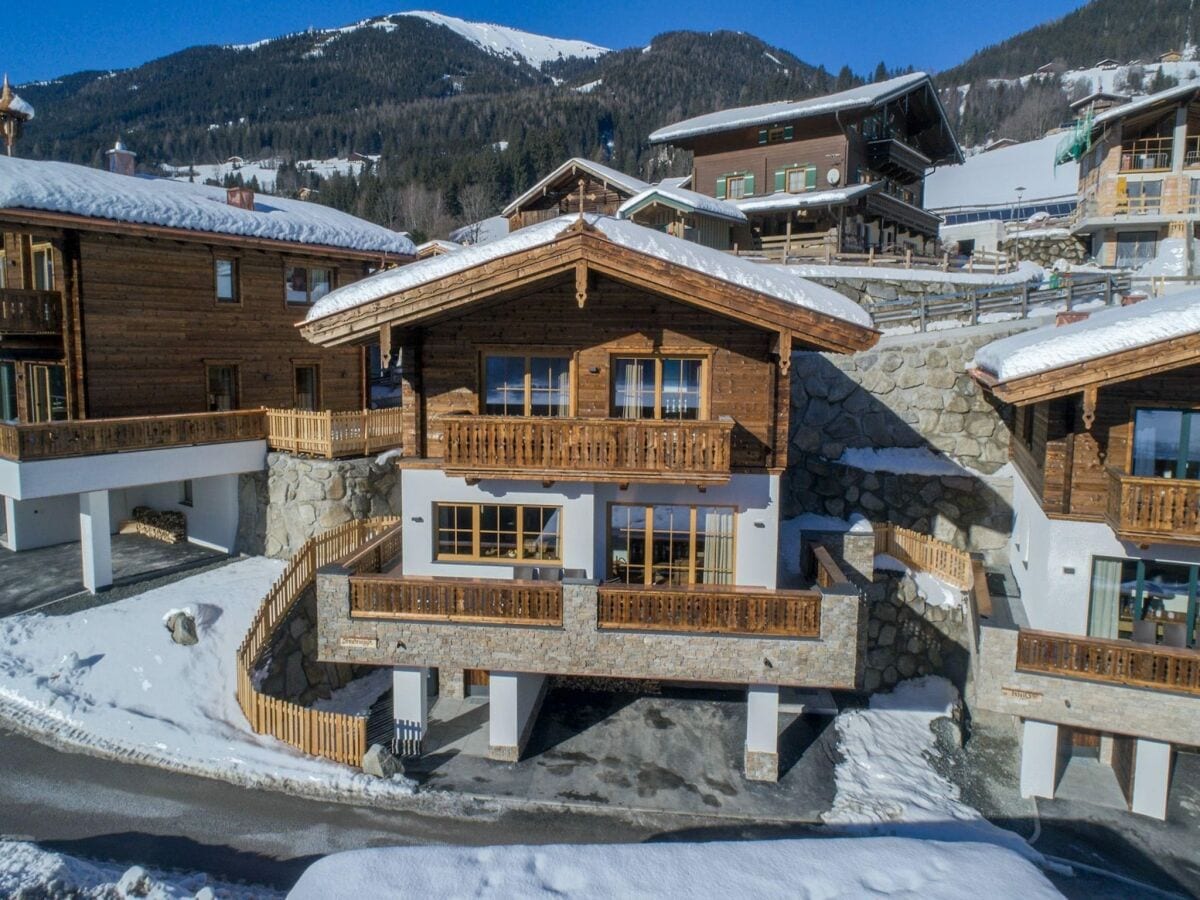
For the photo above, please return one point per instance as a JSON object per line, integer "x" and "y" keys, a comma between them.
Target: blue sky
{"x": 46, "y": 39}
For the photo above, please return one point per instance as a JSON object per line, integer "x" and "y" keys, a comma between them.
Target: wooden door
{"x": 307, "y": 392}
{"x": 222, "y": 388}
{"x": 47, "y": 393}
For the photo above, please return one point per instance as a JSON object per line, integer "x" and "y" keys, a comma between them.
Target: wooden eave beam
{"x": 41, "y": 220}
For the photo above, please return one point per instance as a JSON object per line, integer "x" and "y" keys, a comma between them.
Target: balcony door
{"x": 1166, "y": 443}
{"x": 47, "y": 393}
{"x": 670, "y": 545}
{"x": 8, "y": 392}
{"x": 223, "y": 388}
{"x": 658, "y": 387}
{"x": 308, "y": 388}
{"x": 1145, "y": 600}
{"x": 520, "y": 385}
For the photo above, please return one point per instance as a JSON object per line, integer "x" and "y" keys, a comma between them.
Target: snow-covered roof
{"x": 677, "y": 181}
{"x": 864, "y": 96}
{"x": 438, "y": 245}
{"x": 784, "y": 201}
{"x": 1102, "y": 334}
{"x": 1144, "y": 103}
{"x": 12, "y": 102}
{"x": 992, "y": 178}
{"x": 681, "y": 198}
{"x": 96, "y": 194}
{"x": 626, "y": 183}
{"x": 770, "y": 281}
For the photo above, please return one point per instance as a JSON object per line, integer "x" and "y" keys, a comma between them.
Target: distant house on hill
{"x": 1171, "y": 56}
{"x": 1107, "y": 64}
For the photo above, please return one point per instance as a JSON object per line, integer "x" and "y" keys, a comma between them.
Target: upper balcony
{"x": 897, "y": 160}
{"x": 32, "y": 313}
{"x": 585, "y": 449}
{"x": 1152, "y": 154}
{"x": 1147, "y": 509}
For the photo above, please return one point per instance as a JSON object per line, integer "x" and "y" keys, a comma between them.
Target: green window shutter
{"x": 788, "y": 132}
{"x": 780, "y": 180}
{"x": 721, "y": 188}
{"x": 810, "y": 178}
{"x": 762, "y": 135}
{"x": 749, "y": 184}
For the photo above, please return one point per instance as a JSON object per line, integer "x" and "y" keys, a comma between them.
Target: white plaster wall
{"x": 987, "y": 234}
{"x": 1052, "y": 562}
{"x": 211, "y": 519}
{"x": 511, "y": 700}
{"x": 42, "y": 523}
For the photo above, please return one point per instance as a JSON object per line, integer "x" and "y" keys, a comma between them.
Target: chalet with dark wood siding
{"x": 141, "y": 318}
{"x": 840, "y": 173}
{"x": 1106, "y": 542}
{"x": 576, "y": 185}
{"x": 595, "y": 424}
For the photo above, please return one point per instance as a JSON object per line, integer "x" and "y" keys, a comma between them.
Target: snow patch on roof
{"x": 97, "y": 194}
{"x": 765, "y": 113}
{"x": 992, "y": 178}
{"x": 1103, "y": 333}
{"x": 772, "y": 281}
{"x": 781, "y": 201}
{"x": 691, "y": 200}
{"x": 1025, "y": 271}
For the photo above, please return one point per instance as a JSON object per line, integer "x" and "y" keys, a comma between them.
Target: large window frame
{"x": 621, "y": 564}
{"x": 529, "y": 392}
{"x": 660, "y": 361}
{"x": 311, "y": 293}
{"x": 1189, "y": 426}
{"x": 1138, "y": 601}
{"x": 475, "y": 533}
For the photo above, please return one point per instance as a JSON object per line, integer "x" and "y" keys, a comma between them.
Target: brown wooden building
{"x": 576, "y": 184}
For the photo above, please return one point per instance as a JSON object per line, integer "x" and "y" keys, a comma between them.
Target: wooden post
{"x": 870, "y": 257}
{"x": 1025, "y": 300}
{"x": 1070, "y": 294}
{"x": 922, "y": 310}
{"x": 974, "y": 308}
{"x": 908, "y": 258}
{"x": 787, "y": 240}
{"x": 946, "y": 261}
{"x": 1108, "y": 290}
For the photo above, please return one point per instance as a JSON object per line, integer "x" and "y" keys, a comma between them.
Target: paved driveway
{"x": 33, "y": 577}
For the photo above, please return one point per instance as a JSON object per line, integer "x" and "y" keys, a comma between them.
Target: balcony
{"x": 710, "y": 609}
{"x": 1144, "y": 509}
{"x": 1151, "y": 154}
{"x": 1191, "y": 151}
{"x": 1110, "y": 661}
{"x": 30, "y": 312}
{"x": 580, "y": 449}
{"x": 334, "y": 434}
{"x": 464, "y": 600}
{"x": 897, "y": 160}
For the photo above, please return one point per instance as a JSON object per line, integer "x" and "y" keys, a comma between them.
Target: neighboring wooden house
{"x": 1106, "y": 541}
{"x": 591, "y": 402}
{"x": 848, "y": 167}
{"x": 576, "y": 184}
{"x": 437, "y": 248}
{"x": 689, "y": 215}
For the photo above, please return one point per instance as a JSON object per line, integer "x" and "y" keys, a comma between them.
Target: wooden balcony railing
{"x": 1151, "y": 154}
{"x": 334, "y": 434}
{"x": 590, "y": 449}
{"x": 1153, "y": 508}
{"x": 511, "y": 602}
{"x": 926, "y": 554}
{"x": 1110, "y": 661}
{"x": 87, "y": 437}
{"x": 1191, "y": 151}
{"x": 30, "y": 312}
{"x": 711, "y": 609}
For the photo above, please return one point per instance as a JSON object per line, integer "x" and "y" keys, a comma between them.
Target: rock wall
{"x": 298, "y": 497}
{"x": 907, "y": 637}
{"x": 909, "y": 392}
{"x": 1046, "y": 250}
{"x": 291, "y": 671}
{"x": 881, "y": 289}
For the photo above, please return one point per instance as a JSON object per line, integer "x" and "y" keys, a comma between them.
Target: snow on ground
{"x": 886, "y": 784}
{"x": 490, "y": 229}
{"x": 800, "y": 869}
{"x": 901, "y": 460}
{"x": 28, "y": 870}
{"x": 111, "y": 680}
{"x": 264, "y": 171}
{"x": 355, "y": 698}
{"x": 1104, "y": 332}
{"x": 935, "y": 591}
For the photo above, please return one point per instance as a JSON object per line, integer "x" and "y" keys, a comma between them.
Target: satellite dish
{"x": 833, "y": 176}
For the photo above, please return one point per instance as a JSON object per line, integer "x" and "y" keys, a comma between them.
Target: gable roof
{"x": 684, "y": 200}
{"x": 101, "y": 198}
{"x": 742, "y": 289}
{"x": 624, "y": 184}
{"x": 863, "y": 97}
{"x": 1109, "y": 346}
{"x": 1143, "y": 104}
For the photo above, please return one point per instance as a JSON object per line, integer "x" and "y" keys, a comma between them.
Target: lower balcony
{"x": 1143, "y": 509}
{"x": 710, "y": 609}
{"x": 1109, "y": 661}
{"x": 480, "y": 601}
{"x": 582, "y": 449}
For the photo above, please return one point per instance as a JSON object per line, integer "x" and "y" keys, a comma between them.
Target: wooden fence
{"x": 334, "y": 434}
{"x": 341, "y": 738}
{"x": 1112, "y": 661}
{"x": 710, "y": 609}
{"x": 926, "y": 554}
{"x": 829, "y": 573}
{"x": 483, "y": 601}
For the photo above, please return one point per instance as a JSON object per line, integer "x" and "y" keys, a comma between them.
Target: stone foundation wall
{"x": 299, "y": 497}
{"x": 881, "y": 289}
{"x": 1046, "y": 251}
{"x": 909, "y": 392}
{"x": 291, "y": 670}
{"x": 907, "y": 637}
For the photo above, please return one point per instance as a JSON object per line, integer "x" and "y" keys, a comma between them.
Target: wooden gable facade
{"x": 101, "y": 320}
{"x": 573, "y": 187}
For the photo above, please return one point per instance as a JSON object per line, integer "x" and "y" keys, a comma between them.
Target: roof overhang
{"x": 582, "y": 250}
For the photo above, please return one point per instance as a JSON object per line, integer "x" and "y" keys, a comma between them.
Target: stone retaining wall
{"x": 1046, "y": 251}
{"x": 882, "y": 289}
{"x": 291, "y": 670}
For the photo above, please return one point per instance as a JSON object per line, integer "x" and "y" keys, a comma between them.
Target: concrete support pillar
{"x": 1042, "y": 756}
{"x": 858, "y": 551}
{"x": 1179, "y": 142}
{"x": 514, "y": 699}
{"x": 1151, "y": 778}
{"x": 762, "y": 732}
{"x": 95, "y": 540}
{"x": 410, "y": 708}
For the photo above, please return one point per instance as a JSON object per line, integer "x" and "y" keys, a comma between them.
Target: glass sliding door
{"x": 1166, "y": 443}
{"x": 657, "y": 388}
{"x": 670, "y": 545}
{"x": 47, "y": 393}
{"x": 1144, "y": 598}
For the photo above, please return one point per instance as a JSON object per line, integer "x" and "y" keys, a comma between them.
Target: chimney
{"x": 121, "y": 160}
{"x": 241, "y": 197}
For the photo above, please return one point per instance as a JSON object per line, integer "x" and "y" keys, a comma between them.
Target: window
{"x": 222, "y": 388}
{"x": 737, "y": 187}
{"x": 4, "y": 271}
{"x": 308, "y": 387}
{"x": 1166, "y": 443}
{"x": 47, "y": 393}
{"x": 1135, "y": 248}
{"x": 657, "y": 387}
{"x": 383, "y": 382}
{"x": 8, "y": 392}
{"x": 1144, "y": 599}
{"x": 185, "y": 493}
{"x": 226, "y": 271}
{"x": 676, "y": 545}
{"x": 43, "y": 267}
{"x": 1144, "y": 196}
{"x": 527, "y": 386}
{"x": 305, "y": 284}
{"x": 492, "y": 532}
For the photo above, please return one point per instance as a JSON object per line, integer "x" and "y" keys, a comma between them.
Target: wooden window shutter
{"x": 788, "y": 131}
{"x": 762, "y": 135}
{"x": 749, "y": 183}
{"x": 810, "y": 178}
{"x": 780, "y": 180}
{"x": 721, "y": 188}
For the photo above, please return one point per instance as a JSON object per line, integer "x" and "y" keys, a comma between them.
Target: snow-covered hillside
{"x": 264, "y": 170}
{"x": 534, "y": 49}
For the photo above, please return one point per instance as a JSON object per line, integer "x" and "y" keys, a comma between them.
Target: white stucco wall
{"x": 584, "y": 519}
{"x": 211, "y": 519}
{"x": 1052, "y": 562}
{"x": 41, "y": 523}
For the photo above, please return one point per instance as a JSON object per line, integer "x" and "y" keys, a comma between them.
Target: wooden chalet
{"x": 595, "y": 425}
{"x": 844, "y": 172}
{"x": 577, "y": 184}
